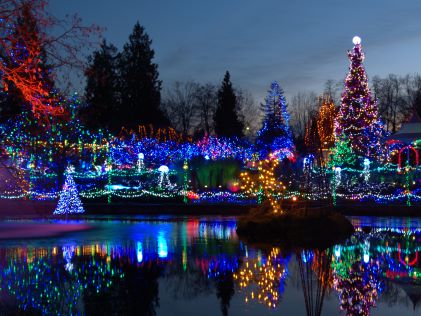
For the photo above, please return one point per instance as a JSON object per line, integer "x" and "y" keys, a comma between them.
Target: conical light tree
{"x": 325, "y": 123}
{"x": 275, "y": 136}
{"x": 358, "y": 117}
{"x": 342, "y": 154}
{"x": 69, "y": 201}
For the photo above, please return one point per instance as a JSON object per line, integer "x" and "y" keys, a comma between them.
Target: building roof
{"x": 409, "y": 131}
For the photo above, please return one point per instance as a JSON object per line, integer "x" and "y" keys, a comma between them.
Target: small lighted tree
{"x": 69, "y": 201}
{"x": 264, "y": 182}
{"x": 342, "y": 154}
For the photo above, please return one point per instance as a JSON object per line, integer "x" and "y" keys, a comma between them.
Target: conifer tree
{"x": 140, "y": 87}
{"x": 343, "y": 154}
{"x": 101, "y": 89}
{"x": 226, "y": 119}
{"x": 275, "y": 133}
{"x": 358, "y": 117}
{"x": 69, "y": 201}
{"x": 326, "y": 123}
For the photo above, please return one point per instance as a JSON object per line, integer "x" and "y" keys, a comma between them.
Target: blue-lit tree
{"x": 275, "y": 136}
{"x": 69, "y": 201}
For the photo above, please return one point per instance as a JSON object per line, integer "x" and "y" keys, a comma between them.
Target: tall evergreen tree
{"x": 101, "y": 89}
{"x": 275, "y": 134}
{"x": 140, "y": 87}
{"x": 226, "y": 120}
{"x": 358, "y": 117}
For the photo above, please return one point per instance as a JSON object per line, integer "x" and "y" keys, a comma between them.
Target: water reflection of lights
{"x": 372, "y": 255}
{"x": 162, "y": 246}
{"x": 358, "y": 292}
{"x": 68, "y": 252}
{"x": 264, "y": 281}
{"x": 51, "y": 283}
{"x": 139, "y": 251}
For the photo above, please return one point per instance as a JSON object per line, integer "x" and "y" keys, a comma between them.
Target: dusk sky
{"x": 299, "y": 43}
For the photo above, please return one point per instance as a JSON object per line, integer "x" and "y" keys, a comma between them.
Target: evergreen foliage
{"x": 140, "y": 87}
{"x": 343, "y": 154}
{"x": 226, "y": 119}
{"x": 101, "y": 89}
{"x": 69, "y": 201}
{"x": 358, "y": 117}
{"x": 275, "y": 134}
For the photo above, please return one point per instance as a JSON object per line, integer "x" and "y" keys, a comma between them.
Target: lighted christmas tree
{"x": 325, "y": 123}
{"x": 265, "y": 182}
{"x": 342, "y": 154}
{"x": 358, "y": 116}
{"x": 69, "y": 201}
{"x": 275, "y": 136}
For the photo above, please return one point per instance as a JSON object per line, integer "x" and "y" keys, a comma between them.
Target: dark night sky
{"x": 299, "y": 43}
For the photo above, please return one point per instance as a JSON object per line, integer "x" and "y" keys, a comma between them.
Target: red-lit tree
{"x": 358, "y": 116}
{"x": 26, "y": 42}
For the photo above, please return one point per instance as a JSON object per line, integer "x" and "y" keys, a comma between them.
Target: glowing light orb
{"x": 356, "y": 40}
{"x": 163, "y": 169}
{"x": 337, "y": 251}
{"x": 141, "y": 156}
{"x": 366, "y": 162}
{"x": 366, "y": 258}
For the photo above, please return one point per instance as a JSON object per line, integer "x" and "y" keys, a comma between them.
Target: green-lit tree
{"x": 342, "y": 154}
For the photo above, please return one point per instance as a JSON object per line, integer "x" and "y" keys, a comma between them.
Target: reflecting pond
{"x": 198, "y": 266}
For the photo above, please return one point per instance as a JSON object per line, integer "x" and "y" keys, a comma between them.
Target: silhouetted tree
{"x": 181, "y": 106}
{"x": 417, "y": 103}
{"x": 140, "y": 86}
{"x": 249, "y": 112}
{"x": 101, "y": 89}
{"x": 227, "y": 122}
{"x": 302, "y": 105}
{"x": 138, "y": 292}
{"x": 225, "y": 291}
{"x": 206, "y": 99}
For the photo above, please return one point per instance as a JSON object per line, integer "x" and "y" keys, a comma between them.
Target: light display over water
{"x": 169, "y": 264}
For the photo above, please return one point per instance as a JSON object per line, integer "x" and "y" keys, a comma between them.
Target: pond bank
{"x": 44, "y": 229}
{"x": 42, "y": 209}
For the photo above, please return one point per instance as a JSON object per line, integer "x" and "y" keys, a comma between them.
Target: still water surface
{"x": 198, "y": 266}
